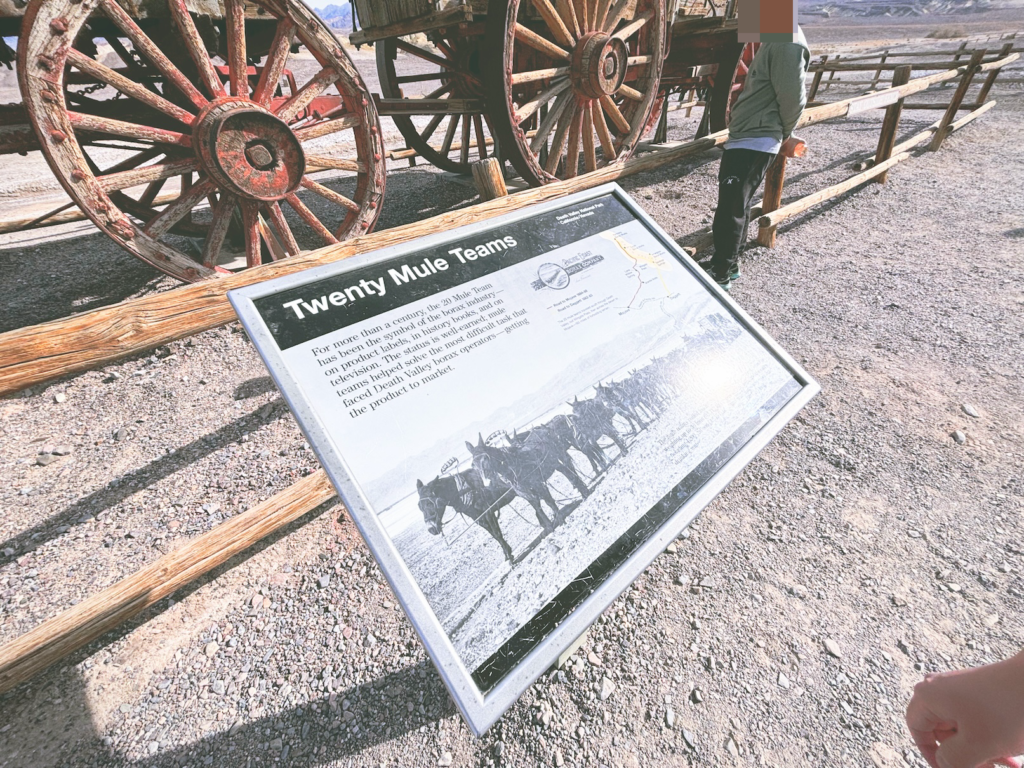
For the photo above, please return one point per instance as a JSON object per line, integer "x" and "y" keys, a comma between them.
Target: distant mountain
{"x": 337, "y": 16}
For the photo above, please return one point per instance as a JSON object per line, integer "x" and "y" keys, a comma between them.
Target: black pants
{"x": 741, "y": 173}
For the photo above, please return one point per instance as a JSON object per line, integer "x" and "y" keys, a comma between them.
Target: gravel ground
{"x": 877, "y": 538}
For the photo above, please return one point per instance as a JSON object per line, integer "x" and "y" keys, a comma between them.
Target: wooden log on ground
{"x": 887, "y": 136}
{"x": 41, "y": 353}
{"x": 79, "y": 625}
{"x": 771, "y": 220}
{"x": 489, "y": 179}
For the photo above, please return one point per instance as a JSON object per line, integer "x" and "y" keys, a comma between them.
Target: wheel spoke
{"x": 532, "y": 106}
{"x": 431, "y": 127}
{"x": 601, "y": 126}
{"x": 415, "y": 50}
{"x": 440, "y": 91}
{"x": 322, "y": 162}
{"x": 222, "y": 215}
{"x": 615, "y": 114}
{"x": 528, "y": 37}
{"x": 519, "y": 78}
{"x": 326, "y": 127}
{"x": 481, "y": 142}
{"x": 105, "y": 74}
{"x": 589, "y": 153}
{"x": 119, "y": 48}
{"x": 237, "y": 59}
{"x": 310, "y": 218}
{"x": 600, "y": 14}
{"x": 544, "y": 129}
{"x": 633, "y": 27}
{"x": 582, "y": 14}
{"x": 281, "y": 228}
{"x": 466, "y": 138}
{"x": 554, "y": 22}
{"x": 196, "y": 48}
{"x": 144, "y": 156}
{"x": 320, "y": 83}
{"x": 631, "y": 93}
{"x": 330, "y": 194}
{"x": 618, "y": 10}
{"x": 152, "y": 190}
{"x": 572, "y": 154}
{"x": 561, "y": 134}
{"x": 151, "y": 51}
{"x": 635, "y": 61}
{"x": 251, "y": 229}
{"x": 128, "y": 130}
{"x": 179, "y": 209}
{"x": 150, "y": 174}
{"x": 449, "y": 135}
{"x": 275, "y": 62}
{"x": 277, "y": 251}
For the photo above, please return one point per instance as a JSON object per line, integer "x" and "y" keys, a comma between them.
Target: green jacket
{"x": 773, "y": 95}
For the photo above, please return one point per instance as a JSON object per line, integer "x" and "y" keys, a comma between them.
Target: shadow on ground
{"x": 48, "y": 274}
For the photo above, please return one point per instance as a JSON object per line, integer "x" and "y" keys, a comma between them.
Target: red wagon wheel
{"x": 722, "y": 92}
{"x": 450, "y": 71}
{"x": 567, "y": 78}
{"x": 125, "y": 106}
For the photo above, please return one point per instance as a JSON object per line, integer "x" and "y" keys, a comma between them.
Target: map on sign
{"x": 519, "y": 415}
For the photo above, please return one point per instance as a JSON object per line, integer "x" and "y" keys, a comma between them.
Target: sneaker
{"x": 723, "y": 282}
{"x": 735, "y": 274}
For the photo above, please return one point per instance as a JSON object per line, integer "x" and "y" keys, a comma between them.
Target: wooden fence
{"x": 43, "y": 353}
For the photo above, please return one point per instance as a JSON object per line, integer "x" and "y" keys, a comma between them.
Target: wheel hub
{"x": 248, "y": 150}
{"x": 599, "y": 65}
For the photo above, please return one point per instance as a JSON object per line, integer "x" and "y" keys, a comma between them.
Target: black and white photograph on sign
{"x": 513, "y": 414}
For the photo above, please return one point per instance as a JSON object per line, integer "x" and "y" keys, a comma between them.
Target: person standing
{"x": 760, "y": 126}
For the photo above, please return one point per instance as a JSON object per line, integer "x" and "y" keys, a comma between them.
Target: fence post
{"x": 832, "y": 74}
{"x": 878, "y": 72}
{"x": 958, "y": 97}
{"x": 816, "y": 83}
{"x": 887, "y": 138}
{"x": 773, "y": 183}
{"x": 960, "y": 51}
{"x": 490, "y": 181}
{"x": 991, "y": 79}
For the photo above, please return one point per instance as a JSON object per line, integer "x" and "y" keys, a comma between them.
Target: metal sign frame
{"x": 481, "y": 709}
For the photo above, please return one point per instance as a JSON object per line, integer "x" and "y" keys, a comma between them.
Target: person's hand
{"x": 794, "y": 147}
{"x": 973, "y": 718}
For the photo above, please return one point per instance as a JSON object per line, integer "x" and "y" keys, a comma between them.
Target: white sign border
{"x": 480, "y": 710}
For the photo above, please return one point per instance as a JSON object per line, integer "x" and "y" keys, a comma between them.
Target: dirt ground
{"x": 883, "y": 522}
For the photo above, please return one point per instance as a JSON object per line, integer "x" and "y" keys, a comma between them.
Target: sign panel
{"x": 520, "y": 415}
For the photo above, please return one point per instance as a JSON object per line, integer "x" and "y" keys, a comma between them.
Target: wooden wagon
{"x": 127, "y": 98}
{"x": 190, "y": 131}
{"x": 555, "y": 87}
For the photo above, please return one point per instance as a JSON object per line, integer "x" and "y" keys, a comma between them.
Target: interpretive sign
{"x": 520, "y": 415}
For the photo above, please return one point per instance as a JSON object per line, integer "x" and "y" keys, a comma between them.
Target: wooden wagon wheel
{"x": 567, "y": 78}
{"x": 722, "y": 92}
{"x": 169, "y": 95}
{"x": 453, "y": 75}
